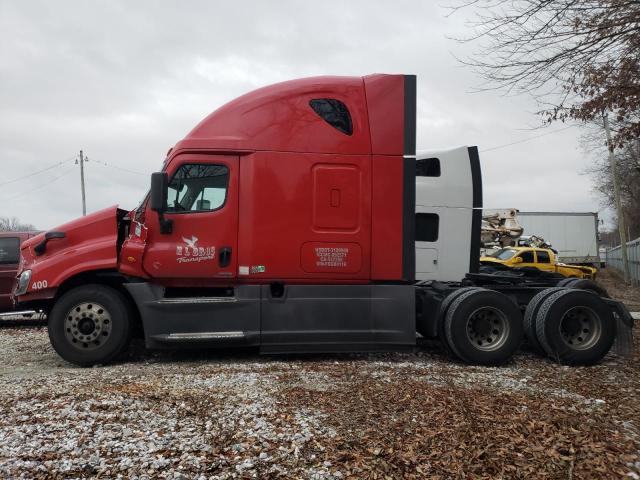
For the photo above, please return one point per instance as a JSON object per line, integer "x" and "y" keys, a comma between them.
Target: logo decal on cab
{"x": 191, "y": 252}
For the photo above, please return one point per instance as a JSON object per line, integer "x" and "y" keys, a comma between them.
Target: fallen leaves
{"x": 390, "y": 416}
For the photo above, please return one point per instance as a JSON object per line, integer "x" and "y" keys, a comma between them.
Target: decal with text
{"x": 192, "y": 252}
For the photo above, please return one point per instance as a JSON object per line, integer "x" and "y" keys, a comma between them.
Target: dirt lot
{"x": 238, "y": 415}
{"x": 613, "y": 281}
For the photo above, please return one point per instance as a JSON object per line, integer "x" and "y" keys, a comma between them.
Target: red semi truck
{"x": 286, "y": 220}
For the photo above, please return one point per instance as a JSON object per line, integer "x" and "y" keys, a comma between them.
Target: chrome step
{"x": 198, "y": 300}
{"x": 18, "y": 314}
{"x": 198, "y": 336}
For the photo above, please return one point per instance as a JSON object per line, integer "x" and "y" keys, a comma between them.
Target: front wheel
{"x": 90, "y": 325}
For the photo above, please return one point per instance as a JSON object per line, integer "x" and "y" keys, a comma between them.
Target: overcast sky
{"x": 124, "y": 81}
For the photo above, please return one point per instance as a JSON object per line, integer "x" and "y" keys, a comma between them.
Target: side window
{"x": 427, "y": 225}
{"x": 543, "y": 257}
{"x": 198, "y": 188}
{"x": 9, "y": 250}
{"x": 428, "y": 167}
{"x": 334, "y": 112}
{"x": 527, "y": 257}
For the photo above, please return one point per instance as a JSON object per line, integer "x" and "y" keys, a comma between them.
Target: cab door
{"x": 543, "y": 260}
{"x": 528, "y": 259}
{"x": 202, "y": 207}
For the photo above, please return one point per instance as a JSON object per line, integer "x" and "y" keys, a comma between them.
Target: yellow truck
{"x": 543, "y": 259}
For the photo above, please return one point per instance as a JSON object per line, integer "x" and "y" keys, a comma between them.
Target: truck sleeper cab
{"x": 279, "y": 221}
{"x": 286, "y": 220}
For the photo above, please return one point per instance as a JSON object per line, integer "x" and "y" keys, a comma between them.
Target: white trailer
{"x": 573, "y": 234}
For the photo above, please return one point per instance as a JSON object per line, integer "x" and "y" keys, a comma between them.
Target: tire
{"x": 483, "y": 327}
{"x": 451, "y": 297}
{"x": 444, "y": 306}
{"x": 530, "y": 315}
{"x": 566, "y": 281}
{"x": 590, "y": 285}
{"x": 90, "y": 325}
{"x": 575, "y": 327}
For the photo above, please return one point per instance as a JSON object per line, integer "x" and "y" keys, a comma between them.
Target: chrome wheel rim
{"x": 580, "y": 328}
{"x": 87, "y": 325}
{"x": 487, "y": 329}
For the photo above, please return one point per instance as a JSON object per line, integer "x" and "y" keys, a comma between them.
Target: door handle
{"x": 225, "y": 257}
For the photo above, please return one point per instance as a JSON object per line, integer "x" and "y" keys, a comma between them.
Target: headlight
{"x": 23, "y": 282}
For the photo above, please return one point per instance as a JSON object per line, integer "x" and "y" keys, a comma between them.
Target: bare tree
{"x": 12, "y": 224}
{"x": 577, "y": 57}
{"x": 627, "y": 173}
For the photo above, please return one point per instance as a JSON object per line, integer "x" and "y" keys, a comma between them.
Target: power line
{"x": 526, "y": 139}
{"x": 118, "y": 167}
{"x": 41, "y": 186}
{"x": 38, "y": 171}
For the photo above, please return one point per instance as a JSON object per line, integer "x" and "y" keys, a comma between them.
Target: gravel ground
{"x": 238, "y": 415}
{"x": 614, "y": 283}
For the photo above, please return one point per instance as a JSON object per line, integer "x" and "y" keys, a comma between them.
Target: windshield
{"x": 504, "y": 253}
{"x": 140, "y": 208}
{"x": 144, "y": 199}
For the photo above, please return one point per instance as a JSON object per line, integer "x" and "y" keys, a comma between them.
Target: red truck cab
{"x": 284, "y": 219}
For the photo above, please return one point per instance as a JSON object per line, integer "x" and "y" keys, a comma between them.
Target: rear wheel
{"x": 452, "y": 296}
{"x": 575, "y": 327}
{"x": 566, "y": 281}
{"x": 590, "y": 285}
{"x": 483, "y": 327}
{"x": 530, "y": 318}
{"x": 90, "y": 325}
{"x": 444, "y": 306}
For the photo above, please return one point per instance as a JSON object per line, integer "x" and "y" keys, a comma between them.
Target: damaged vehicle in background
{"x": 543, "y": 259}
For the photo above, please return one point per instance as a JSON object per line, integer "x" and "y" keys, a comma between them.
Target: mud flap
{"x": 623, "y": 345}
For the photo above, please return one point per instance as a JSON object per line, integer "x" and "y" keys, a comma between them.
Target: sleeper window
{"x": 198, "y": 188}
{"x": 428, "y": 167}
{"x": 334, "y": 112}
{"x": 427, "y": 225}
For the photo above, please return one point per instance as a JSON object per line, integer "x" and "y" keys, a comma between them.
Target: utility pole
{"x": 84, "y": 201}
{"x": 616, "y": 194}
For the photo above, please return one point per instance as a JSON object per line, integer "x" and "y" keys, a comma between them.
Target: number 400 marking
{"x": 39, "y": 285}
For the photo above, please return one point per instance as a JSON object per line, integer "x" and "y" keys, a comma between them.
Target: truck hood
{"x": 83, "y": 229}
{"x": 89, "y": 243}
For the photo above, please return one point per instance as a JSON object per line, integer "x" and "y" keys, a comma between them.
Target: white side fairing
{"x": 447, "y": 254}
